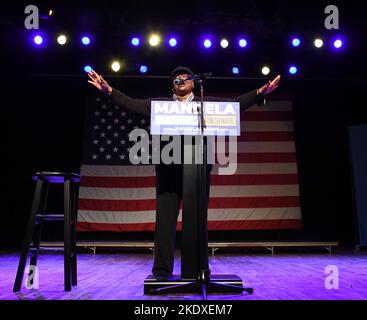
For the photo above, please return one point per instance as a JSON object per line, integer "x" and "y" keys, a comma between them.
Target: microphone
{"x": 177, "y": 82}
{"x": 194, "y": 77}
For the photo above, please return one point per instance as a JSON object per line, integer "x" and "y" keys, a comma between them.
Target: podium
{"x": 200, "y": 120}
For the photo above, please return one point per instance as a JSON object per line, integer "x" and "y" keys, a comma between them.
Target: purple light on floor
{"x": 172, "y": 42}
{"x": 338, "y": 43}
{"x": 135, "y": 41}
{"x": 207, "y": 43}
{"x": 38, "y": 40}
{"x": 85, "y": 40}
{"x": 87, "y": 69}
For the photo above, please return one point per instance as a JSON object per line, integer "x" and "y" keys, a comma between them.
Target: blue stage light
{"x": 135, "y": 41}
{"x": 338, "y": 43}
{"x": 143, "y": 69}
{"x": 85, "y": 40}
{"x": 207, "y": 43}
{"x": 87, "y": 69}
{"x": 242, "y": 43}
{"x": 38, "y": 40}
{"x": 235, "y": 70}
{"x": 172, "y": 42}
{"x": 293, "y": 70}
{"x": 296, "y": 42}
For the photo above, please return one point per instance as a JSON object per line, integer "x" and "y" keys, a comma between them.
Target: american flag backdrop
{"x": 263, "y": 194}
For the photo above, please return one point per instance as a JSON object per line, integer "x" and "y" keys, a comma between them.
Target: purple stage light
{"x": 338, "y": 43}
{"x": 135, "y": 41}
{"x": 143, "y": 69}
{"x": 242, "y": 43}
{"x": 85, "y": 40}
{"x": 87, "y": 69}
{"x": 38, "y": 40}
{"x": 207, "y": 43}
{"x": 235, "y": 70}
{"x": 293, "y": 70}
{"x": 296, "y": 42}
{"x": 172, "y": 42}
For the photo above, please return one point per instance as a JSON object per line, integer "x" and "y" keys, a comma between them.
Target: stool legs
{"x": 67, "y": 235}
{"x": 73, "y": 235}
{"x": 29, "y": 234}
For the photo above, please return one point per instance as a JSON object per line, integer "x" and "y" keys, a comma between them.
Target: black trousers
{"x": 169, "y": 193}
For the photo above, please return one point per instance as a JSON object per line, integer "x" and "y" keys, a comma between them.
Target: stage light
{"x": 172, "y": 42}
{"x": 235, "y": 70}
{"x": 318, "y": 43}
{"x": 224, "y": 43}
{"x": 85, "y": 40}
{"x": 296, "y": 42}
{"x": 242, "y": 43}
{"x": 207, "y": 43}
{"x": 154, "y": 40}
{"x": 338, "y": 43}
{"x": 115, "y": 66}
{"x": 293, "y": 70}
{"x": 51, "y": 13}
{"x": 265, "y": 70}
{"x": 38, "y": 40}
{"x": 135, "y": 41}
{"x": 87, "y": 69}
{"x": 61, "y": 39}
{"x": 143, "y": 69}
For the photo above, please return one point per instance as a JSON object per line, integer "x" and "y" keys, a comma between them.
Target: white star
{"x": 98, "y": 99}
{"x": 96, "y": 113}
{"x": 96, "y": 127}
{"x": 122, "y": 141}
{"x": 94, "y": 157}
{"x": 115, "y": 134}
{"x": 116, "y": 107}
{"x": 103, "y": 120}
{"x": 128, "y": 149}
{"x": 108, "y": 141}
{"x": 108, "y": 157}
{"x": 136, "y": 127}
{"x": 116, "y": 120}
{"x": 115, "y": 149}
{"x": 103, "y": 134}
{"x": 95, "y": 141}
{"x": 122, "y": 157}
{"x": 129, "y": 121}
{"x": 109, "y": 127}
{"x": 101, "y": 149}
{"x": 110, "y": 113}
{"x": 104, "y": 106}
{"x": 142, "y": 121}
{"x": 123, "y": 114}
{"x": 122, "y": 127}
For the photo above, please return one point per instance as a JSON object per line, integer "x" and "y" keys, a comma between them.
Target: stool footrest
{"x": 53, "y": 217}
{"x": 47, "y": 250}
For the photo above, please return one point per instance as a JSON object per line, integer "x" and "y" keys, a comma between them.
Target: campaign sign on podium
{"x": 183, "y": 118}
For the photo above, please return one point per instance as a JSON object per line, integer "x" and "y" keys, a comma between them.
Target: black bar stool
{"x": 36, "y": 221}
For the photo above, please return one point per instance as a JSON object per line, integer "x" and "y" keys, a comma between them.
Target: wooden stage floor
{"x": 120, "y": 276}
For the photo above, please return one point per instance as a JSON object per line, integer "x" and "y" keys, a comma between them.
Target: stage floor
{"x": 120, "y": 276}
